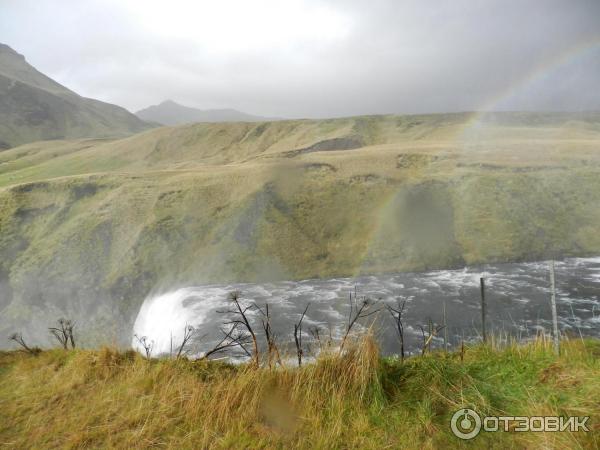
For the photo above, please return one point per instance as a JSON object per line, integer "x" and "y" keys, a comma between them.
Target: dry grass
{"x": 112, "y": 399}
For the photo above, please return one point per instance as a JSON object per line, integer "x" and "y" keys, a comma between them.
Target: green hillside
{"x": 34, "y": 107}
{"x": 89, "y": 227}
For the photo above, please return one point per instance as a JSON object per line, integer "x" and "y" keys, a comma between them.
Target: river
{"x": 517, "y": 299}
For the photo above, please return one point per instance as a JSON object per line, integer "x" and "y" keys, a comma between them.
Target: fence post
{"x": 555, "y": 337}
{"x": 483, "y": 329}
{"x": 445, "y": 329}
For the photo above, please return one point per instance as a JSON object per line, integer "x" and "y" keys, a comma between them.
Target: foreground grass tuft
{"x": 108, "y": 398}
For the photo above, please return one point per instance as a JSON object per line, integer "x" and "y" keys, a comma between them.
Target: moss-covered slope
{"x": 89, "y": 227}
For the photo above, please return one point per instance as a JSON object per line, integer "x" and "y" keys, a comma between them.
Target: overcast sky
{"x": 316, "y": 58}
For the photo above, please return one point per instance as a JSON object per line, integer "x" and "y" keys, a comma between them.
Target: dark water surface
{"x": 517, "y": 294}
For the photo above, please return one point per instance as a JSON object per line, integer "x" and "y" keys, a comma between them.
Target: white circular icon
{"x": 465, "y": 424}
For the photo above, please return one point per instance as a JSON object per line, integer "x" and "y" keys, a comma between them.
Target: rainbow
{"x": 536, "y": 75}
{"x": 468, "y": 132}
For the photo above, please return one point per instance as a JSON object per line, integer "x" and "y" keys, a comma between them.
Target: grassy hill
{"x": 111, "y": 399}
{"x": 89, "y": 227}
{"x": 33, "y": 107}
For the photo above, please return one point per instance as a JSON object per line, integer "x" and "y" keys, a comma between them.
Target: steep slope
{"x": 171, "y": 113}
{"x": 89, "y": 227}
{"x": 34, "y": 107}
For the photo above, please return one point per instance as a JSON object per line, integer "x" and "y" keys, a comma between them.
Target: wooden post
{"x": 555, "y": 336}
{"x": 483, "y": 329}
{"x": 445, "y": 329}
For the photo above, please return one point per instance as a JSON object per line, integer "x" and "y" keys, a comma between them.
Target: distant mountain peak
{"x": 7, "y": 49}
{"x": 169, "y": 112}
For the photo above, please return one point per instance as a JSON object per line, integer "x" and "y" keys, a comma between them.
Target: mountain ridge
{"x": 171, "y": 113}
{"x": 35, "y": 107}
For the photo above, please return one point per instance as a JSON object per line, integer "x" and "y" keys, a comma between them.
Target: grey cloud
{"x": 396, "y": 57}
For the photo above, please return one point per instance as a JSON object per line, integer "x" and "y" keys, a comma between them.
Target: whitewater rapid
{"x": 517, "y": 302}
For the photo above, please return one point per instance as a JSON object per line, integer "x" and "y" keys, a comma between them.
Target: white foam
{"x": 163, "y": 318}
{"x": 166, "y": 315}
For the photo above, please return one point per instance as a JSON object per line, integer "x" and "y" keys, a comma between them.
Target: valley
{"x": 91, "y": 226}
